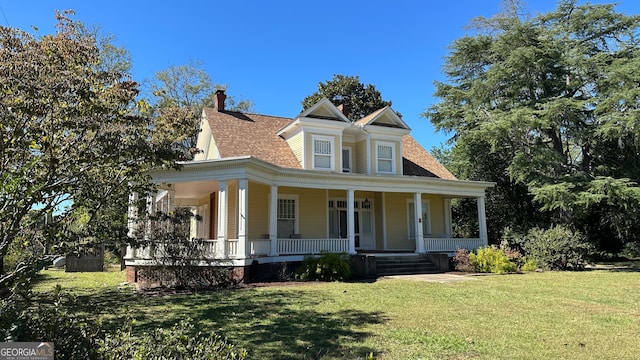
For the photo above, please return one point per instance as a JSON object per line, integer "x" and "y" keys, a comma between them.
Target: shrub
{"x": 327, "y": 267}
{"x": 631, "y": 250}
{"x": 178, "y": 342}
{"x": 73, "y": 334}
{"x": 528, "y": 264}
{"x": 558, "y": 248}
{"x": 461, "y": 260}
{"x": 492, "y": 260}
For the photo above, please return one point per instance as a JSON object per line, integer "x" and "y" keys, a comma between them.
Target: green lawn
{"x": 551, "y": 315}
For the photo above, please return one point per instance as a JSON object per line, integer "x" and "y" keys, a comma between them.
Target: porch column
{"x": 482, "y": 221}
{"x": 351, "y": 237}
{"x": 171, "y": 198}
{"x": 273, "y": 220}
{"x": 223, "y": 207}
{"x": 417, "y": 210}
{"x": 132, "y": 223}
{"x": 132, "y": 214}
{"x": 243, "y": 218}
{"x": 447, "y": 217}
{"x": 151, "y": 211}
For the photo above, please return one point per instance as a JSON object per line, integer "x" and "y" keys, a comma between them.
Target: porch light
{"x": 366, "y": 204}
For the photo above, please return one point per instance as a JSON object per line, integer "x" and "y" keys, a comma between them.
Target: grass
{"x": 551, "y": 315}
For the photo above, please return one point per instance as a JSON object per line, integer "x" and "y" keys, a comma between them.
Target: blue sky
{"x": 275, "y": 52}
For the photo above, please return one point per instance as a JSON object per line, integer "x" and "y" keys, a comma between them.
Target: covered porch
{"x": 253, "y": 212}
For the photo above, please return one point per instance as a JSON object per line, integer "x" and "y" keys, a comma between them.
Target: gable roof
{"x": 417, "y": 161}
{"x": 383, "y": 117}
{"x": 324, "y": 109}
{"x": 239, "y": 134}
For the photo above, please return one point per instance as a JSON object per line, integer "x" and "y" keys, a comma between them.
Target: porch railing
{"x": 451, "y": 244}
{"x": 311, "y": 246}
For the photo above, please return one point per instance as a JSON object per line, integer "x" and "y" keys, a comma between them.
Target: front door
{"x": 363, "y": 227}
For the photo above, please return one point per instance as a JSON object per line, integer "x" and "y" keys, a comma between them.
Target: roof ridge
{"x": 248, "y": 113}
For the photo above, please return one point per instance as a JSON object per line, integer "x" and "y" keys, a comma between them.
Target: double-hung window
{"x": 323, "y": 152}
{"x": 287, "y": 216}
{"x": 385, "y": 157}
{"x": 425, "y": 219}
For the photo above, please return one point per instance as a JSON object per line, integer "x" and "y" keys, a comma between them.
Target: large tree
{"x": 191, "y": 87}
{"x": 75, "y": 142}
{"x": 557, "y": 96}
{"x": 360, "y": 100}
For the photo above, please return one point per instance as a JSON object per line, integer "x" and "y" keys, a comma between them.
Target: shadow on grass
{"x": 273, "y": 324}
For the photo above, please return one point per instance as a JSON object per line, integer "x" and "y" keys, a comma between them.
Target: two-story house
{"x": 271, "y": 189}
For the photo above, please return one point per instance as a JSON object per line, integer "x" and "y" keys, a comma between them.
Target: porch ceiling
{"x": 195, "y": 188}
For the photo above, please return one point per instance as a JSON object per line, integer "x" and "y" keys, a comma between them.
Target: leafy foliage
{"x": 180, "y": 261}
{"x": 74, "y": 143}
{"x": 327, "y": 267}
{"x": 360, "y": 100}
{"x": 547, "y": 106}
{"x": 491, "y": 259}
{"x": 181, "y": 341}
{"x": 74, "y": 336}
{"x": 558, "y": 248}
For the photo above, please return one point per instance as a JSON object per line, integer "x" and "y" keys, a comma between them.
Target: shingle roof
{"x": 241, "y": 134}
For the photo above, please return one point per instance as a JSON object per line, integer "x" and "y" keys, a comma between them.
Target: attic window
{"x": 385, "y": 156}
{"x": 323, "y": 152}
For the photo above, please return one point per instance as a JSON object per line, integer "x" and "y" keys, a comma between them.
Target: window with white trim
{"x": 425, "y": 218}
{"x": 323, "y": 152}
{"x": 346, "y": 159}
{"x": 385, "y": 157}
{"x": 287, "y": 217}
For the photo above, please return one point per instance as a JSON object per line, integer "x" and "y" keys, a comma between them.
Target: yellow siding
{"x": 360, "y": 157}
{"x": 396, "y": 221}
{"x": 258, "y": 210}
{"x": 213, "y": 150}
{"x": 295, "y": 143}
{"x": 436, "y": 212}
{"x": 312, "y": 211}
{"x": 379, "y": 228}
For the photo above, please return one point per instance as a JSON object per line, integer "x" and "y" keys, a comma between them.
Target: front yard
{"x": 552, "y": 315}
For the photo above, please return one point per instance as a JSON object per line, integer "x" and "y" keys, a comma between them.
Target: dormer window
{"x": 385, "y": 156}
{"x": 323, "y": 157}
{"x": 346, "y": 159}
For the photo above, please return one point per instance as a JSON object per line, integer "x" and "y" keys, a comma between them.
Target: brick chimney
{"x": 344, "y": 109}
{"x": 220, "y": 97}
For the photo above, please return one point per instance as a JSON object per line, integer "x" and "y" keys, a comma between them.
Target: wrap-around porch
{"x": 244, "y": 219}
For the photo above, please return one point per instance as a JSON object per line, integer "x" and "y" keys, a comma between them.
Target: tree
{"x": 360, "y": 100}
{"x": 73, "y": 141}
{"x": 189, "y": 87}
{"x": 557, "y": 97}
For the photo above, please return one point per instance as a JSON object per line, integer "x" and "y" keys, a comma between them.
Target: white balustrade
{"x": 311, "y": 246}
{"x": 451, "y": 244}
{"x": 260, "y": 247}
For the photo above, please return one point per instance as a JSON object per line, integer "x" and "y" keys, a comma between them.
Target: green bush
{"x": 74, "y": 335}
{"x": 528, "y": 264}
{"x": 327, "y": 267}
{"x": 178, "y": 342}
{"x": 558, "y": 248}
{"x": 631, "y": 250}
{"x": 490, "y": 259}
